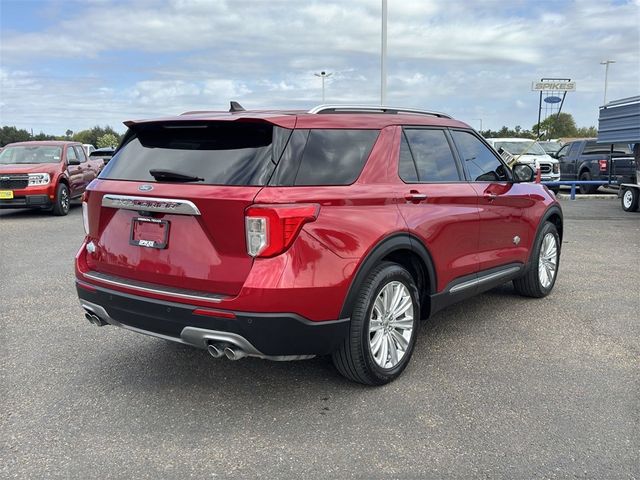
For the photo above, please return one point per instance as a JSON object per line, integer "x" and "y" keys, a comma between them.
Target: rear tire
{"x": 587, "y": 189}
{"x": 630, "y": 199}
{"x": 545, "y": 262}
{"x": 384, "y": 326}
{"x": 62, "y": 201}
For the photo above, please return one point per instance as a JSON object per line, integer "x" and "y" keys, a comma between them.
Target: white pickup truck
{"x": 529, "y": 152}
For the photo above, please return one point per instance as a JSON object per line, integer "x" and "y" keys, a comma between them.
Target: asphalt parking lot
{"x": 499, "y": 387}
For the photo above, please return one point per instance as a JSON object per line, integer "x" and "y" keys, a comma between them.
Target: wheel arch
{"x": 403, "y": 249}
{"x": 552, "y": 214}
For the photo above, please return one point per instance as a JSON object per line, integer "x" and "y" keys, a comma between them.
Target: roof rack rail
{"x": 374, "y": 109}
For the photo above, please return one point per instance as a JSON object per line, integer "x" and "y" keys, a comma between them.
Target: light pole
{"x": 480, "y": 123}
{"x": 323, "y": 75}
{"x": 606, "y": 77}
{"x": 383, "y": 56}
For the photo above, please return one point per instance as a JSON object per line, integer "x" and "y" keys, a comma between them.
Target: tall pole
{"x": 383, "y": 56}
{"x": 323, "y": 75}
{"x": 606, "y": 77}
{"x": 480, "y": 123}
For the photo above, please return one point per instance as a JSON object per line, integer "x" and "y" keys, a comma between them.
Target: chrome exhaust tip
{"x": 234, "y": 354}
{"x": 94, "y": 319}
{"x": 216, "y": 351}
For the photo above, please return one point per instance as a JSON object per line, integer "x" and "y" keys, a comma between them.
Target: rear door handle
{"x": 415, "y": 197}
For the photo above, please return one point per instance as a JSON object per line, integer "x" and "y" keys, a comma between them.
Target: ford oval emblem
{"x": 553, "y": 100}
{"x": 145, "y": 188}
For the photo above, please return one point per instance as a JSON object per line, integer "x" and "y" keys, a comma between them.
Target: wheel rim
{"x": 627, "y": 199}
{"x": 64, "y": 199}
{"x": 391, "y": 325}
{"x": 548, "y": 264}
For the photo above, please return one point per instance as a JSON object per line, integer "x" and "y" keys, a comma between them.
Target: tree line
{"x": 554, "y": 126}
{"x": 98, "y": 136}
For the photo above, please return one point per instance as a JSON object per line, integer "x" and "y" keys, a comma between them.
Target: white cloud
{"x": 474, "y": 59}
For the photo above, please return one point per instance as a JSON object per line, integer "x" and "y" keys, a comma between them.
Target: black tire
{"x": 530, "y": 285}
{"x": 62, "y": 202}
{"x": 354, "y": 358}
{"x": 630, "y": 199}
{"x": 587, "y": 189}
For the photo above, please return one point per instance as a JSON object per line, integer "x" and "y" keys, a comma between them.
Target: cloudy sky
{"x": 69, "y": 64}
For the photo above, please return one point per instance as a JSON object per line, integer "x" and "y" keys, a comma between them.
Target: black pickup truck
{"x": 587, "y": 160}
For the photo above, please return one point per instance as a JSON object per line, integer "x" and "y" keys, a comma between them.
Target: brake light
{"x": 85, "y": 212}
{"x": 271, "y": 229}
{"x": 603, "y": 165}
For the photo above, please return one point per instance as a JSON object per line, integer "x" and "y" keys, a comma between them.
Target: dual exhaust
{"x": 94, "y": 319}
{"x": 218, "y": 350}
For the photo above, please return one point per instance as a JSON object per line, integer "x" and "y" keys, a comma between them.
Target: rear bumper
{"x": 26, "y": 201}
{"x": 273, "y": 336}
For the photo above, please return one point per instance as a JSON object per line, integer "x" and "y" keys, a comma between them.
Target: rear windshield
{"x": 620, "y": 148}
{"x": 30, "y": 155}
{"x": 233, "y": 153}
{"x": 219, "y": 153}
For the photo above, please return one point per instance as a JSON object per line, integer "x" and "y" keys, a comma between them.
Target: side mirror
{"x": 73, "y": 161}
{"x": 523, "y": 173}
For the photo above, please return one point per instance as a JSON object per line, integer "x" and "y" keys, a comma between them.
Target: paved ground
{"x": 499, "y": 387}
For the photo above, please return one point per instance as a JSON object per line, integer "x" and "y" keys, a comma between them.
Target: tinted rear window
{"x": 222, "y": 153}
{"x": 325, "y": 157}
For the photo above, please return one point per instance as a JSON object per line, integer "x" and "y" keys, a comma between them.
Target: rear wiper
{"x": 171, "y": 176}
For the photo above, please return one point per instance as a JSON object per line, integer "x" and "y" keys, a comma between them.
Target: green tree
{"x": 12, "y": 134}
{"x": 586, "y": 132}
{"x": 107, "y": 140}
{"x": 92, "y": 136}
{"x": 68, "y": 133}
{"x": 557, "y": 126}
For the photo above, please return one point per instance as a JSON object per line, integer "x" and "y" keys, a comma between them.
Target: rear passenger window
{"x": 71, "y": 154}
{"x": 432, "y": 155}
{"x": 481, "y": 163}
{"x": 81, "y": 155}
{"x": 334, "y": 157}
{"x": 406, "y": 165}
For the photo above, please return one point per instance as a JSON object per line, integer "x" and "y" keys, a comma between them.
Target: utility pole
{"x": 383, "y": 56}
{"x": 323, "y": 75}
{"x": 480, "y": 123}
{"x": 606, "y": 77}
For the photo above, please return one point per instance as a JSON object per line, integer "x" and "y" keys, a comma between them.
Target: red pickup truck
{"x": 45, "y": 175}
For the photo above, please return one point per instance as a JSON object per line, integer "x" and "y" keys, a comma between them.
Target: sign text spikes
{"x": 553, "y": 86}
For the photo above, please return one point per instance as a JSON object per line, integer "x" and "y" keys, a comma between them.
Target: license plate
{"x": 149, "y": 232}
{"x": 6, "y": 194}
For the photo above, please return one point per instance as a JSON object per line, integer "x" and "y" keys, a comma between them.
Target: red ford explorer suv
{"x": 283, "y": 235}
{"x": 44, "y": 174}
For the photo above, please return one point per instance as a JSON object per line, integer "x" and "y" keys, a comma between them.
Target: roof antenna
{"x": 235, "y": 107}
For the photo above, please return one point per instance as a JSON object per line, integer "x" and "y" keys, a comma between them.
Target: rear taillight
{"x": 85, "y": 212}
{"x": 603, "y": 165}
{"x": 271, "y": 229}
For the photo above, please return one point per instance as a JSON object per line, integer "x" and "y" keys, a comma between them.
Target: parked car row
{"x": 45, "y": 174}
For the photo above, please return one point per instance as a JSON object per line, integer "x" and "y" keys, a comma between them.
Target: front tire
{"x": 545, "y": 261}
{"x": 62, "y": 201}
{"x": 384, "y": 326}
{"x": 630, "y": 199}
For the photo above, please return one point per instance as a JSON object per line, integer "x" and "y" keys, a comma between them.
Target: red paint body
{"x": 77, "y": 177}
{"x": 465, "y": 226}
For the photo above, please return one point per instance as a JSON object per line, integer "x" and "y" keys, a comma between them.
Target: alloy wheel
{"x": 548, "y": 264}
{"x": 391, "y": 325}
